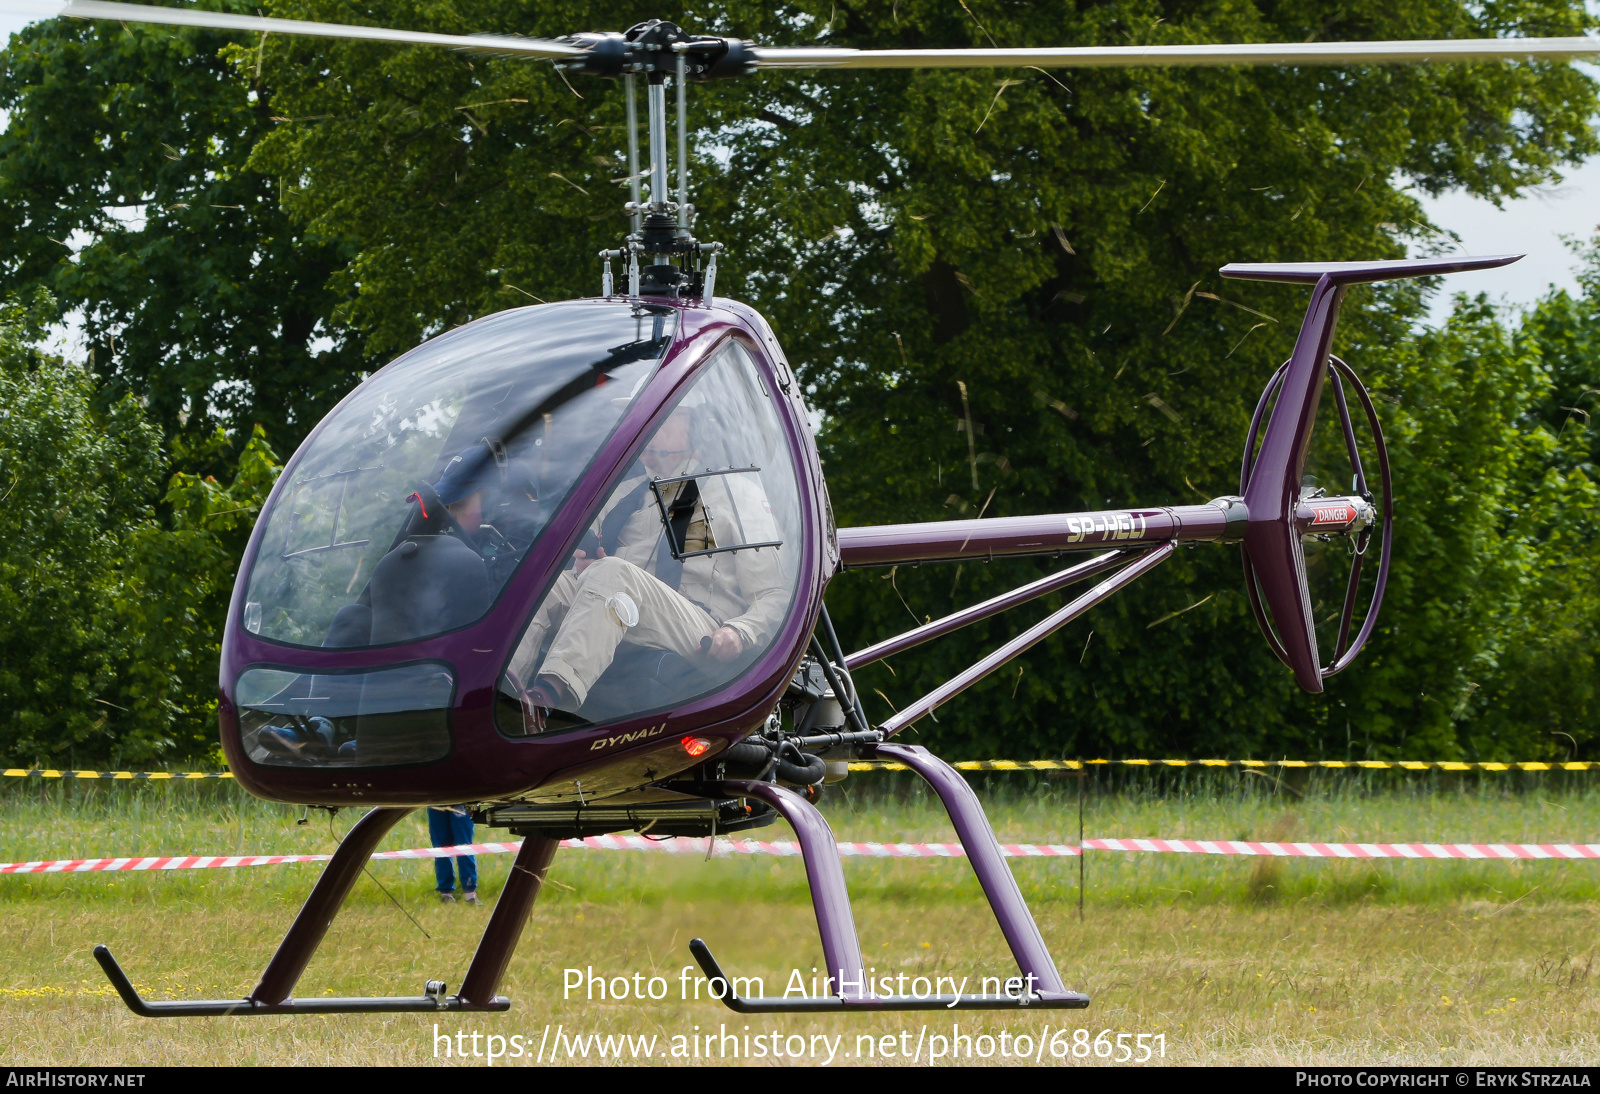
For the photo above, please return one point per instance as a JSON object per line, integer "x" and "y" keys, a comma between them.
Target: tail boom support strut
{"x": 1027, "y": 639}
{"x": 993, "y": 606}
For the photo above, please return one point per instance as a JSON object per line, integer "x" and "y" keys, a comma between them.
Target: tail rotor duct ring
{"x": 1345, "y": 650}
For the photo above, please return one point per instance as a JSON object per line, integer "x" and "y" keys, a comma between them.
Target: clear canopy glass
{"x": 407, "y": 513}
{"x": 687, "y": 572}
{"x": 356, "y": 719}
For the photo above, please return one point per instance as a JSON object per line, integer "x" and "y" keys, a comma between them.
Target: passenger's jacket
{"x": 745, "y": 590}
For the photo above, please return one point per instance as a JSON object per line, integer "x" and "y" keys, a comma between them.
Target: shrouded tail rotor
{"x": 1281, "y": 512}
{"x": 1315, "y": 508}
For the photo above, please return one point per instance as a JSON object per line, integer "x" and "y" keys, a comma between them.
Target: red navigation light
{"x": 695, "y": 746}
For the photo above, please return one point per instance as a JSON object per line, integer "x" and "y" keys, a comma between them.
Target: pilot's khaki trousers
{"x": 586, "y": 641}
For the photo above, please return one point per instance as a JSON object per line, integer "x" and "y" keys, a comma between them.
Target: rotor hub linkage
{"x": 653, "y": 48}
{"x": 663, "y": 257}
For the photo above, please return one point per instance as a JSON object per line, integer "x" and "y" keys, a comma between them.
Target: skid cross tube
{"x": 510, "y": 915}
{"x": 989, "y": 864}
{"x": 273, "y": 994}
{"x": 306, "y": 934}
{"x": 841, "y": 948}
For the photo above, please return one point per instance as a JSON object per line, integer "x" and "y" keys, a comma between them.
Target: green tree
{"x": 1491, "y": 518}
{"x": 75, "y": 483}
{"x": 1540, "y": 680}
{"x": 465, "y": 184}
{"x": 109, "y": 644}
{"x": 124, "y": 190}
{"x": 1029, "y": 254}
{"x": 181, "y": 579}
{"x": 999, "y": 288}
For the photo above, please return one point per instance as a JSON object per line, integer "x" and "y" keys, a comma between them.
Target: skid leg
{"x": 272, "y": 994}
{"x": 294, "y": 952}
{"x": 983, "y": 851}
{"x": 840, "y": 945}
{"x": 500, "y": 937}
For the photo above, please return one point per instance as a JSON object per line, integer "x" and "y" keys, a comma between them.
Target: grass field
{"x": 1242, "y": 961}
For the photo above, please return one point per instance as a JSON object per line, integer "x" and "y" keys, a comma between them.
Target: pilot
{"x": 713, "y": 606}
{"x": 431, "y": 582}
{"x": 462, "y": 484}
{"x": 492, "y": 499}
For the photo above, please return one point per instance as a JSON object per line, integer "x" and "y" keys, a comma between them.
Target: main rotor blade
{"x": 1250, "y": 53}
{"x": 217, "y": 20}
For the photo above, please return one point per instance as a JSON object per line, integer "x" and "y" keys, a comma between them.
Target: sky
{"x": 1533, "y": 225}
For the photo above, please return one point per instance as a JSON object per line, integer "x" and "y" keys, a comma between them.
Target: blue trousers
{"x": 451, "y": 829}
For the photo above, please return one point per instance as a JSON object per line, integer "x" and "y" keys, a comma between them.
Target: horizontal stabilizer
{"x": 1358, "y": 273}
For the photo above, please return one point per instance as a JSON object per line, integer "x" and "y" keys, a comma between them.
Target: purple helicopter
{"x": 567, "y": 562}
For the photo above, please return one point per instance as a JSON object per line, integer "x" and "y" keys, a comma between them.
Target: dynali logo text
{"x": 628, "y": 738}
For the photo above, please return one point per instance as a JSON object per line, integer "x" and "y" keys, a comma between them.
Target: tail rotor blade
{"x": 1280, "y": 568}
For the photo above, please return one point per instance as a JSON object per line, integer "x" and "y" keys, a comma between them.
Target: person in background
{"x": 451, "y": 826}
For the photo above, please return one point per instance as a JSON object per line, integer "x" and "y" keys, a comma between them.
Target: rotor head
{"x": 652, "y": 48}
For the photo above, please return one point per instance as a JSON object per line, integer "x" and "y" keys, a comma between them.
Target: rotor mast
{"x": 662, "y": 255}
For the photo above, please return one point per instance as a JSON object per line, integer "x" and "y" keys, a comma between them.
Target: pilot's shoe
{"x": 322, "y": 731}
{"x": 470, "y": 896}
{"x": 541, "y": 703}
{"x": 281, "y": 742}
{"x": 447, "y": 898}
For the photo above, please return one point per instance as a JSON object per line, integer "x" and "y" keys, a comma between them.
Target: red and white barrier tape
{"x": 1355, "y": 850}
{"x": 788, "y": 848}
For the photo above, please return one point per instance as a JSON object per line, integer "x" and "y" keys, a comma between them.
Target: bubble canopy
{"x": 410, "y": 507}
{"x": 419, "y": 586}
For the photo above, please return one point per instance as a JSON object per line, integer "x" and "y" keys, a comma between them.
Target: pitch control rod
{"x": 656, "y": 105}
{"x": 634, "y": 190}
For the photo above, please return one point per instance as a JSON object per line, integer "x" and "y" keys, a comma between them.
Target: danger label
{"x": 1332, "y": 514}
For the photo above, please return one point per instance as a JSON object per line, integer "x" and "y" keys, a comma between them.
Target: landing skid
{"x": 835, "y": 1004}
{"x": 1038, "y": 986}
{"x": 273, "y": 995}
{"x": 434, "y": 999}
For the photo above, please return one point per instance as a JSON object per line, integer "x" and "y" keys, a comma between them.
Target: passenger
{"x": 492, "y": 499}
{"x": 713, "y": 606}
